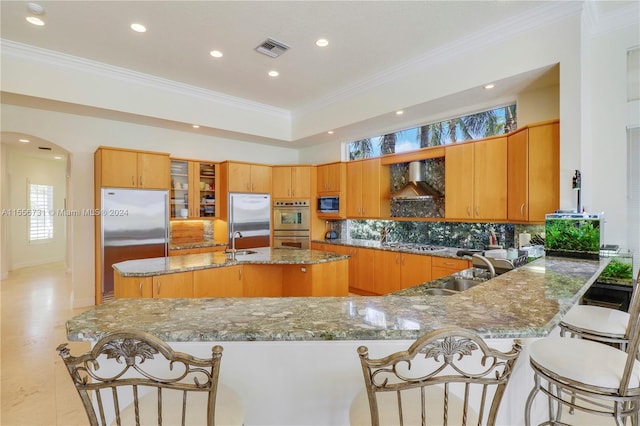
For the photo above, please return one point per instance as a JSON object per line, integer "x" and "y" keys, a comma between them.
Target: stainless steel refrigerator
{"x": 135, "y": 225}
{"x": 251, "y": 215}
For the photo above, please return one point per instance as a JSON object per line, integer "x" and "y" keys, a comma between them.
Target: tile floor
{"x": 35, "y": 389}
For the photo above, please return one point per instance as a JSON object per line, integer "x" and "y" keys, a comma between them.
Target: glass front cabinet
{"x": 193, "y": 189}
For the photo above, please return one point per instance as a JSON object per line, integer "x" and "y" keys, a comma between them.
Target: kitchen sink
{"x": 460, "y": 284}
{"x": 440, "y": 292}
{"x": 232, "y": 254}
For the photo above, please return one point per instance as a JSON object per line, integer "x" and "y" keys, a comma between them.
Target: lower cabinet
{"x": 395, "y": 271}
{"x": 218, "y": 282}
{"x": 443, "y": 266}
{"x": 320, "y": 280}
{"x": 262, "y": 280}
{"x": 160, "y": 286}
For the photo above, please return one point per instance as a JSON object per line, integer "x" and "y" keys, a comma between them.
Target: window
{"x": 40, "y": 216}
{"x": 497, "y": 121}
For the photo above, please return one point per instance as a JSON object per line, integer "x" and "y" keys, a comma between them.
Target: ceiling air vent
{"x": 44, "y": 148}
{"x": 272, "y": 48}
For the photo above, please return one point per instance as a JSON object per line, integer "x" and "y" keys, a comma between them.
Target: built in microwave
{"x": 329, "y": 204}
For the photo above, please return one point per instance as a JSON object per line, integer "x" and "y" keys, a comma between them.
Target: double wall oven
{"x": 291, "y": 224}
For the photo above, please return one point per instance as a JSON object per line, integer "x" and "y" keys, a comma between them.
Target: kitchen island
{"x": 257, "y": 272}
{"x": 294, "y": 361}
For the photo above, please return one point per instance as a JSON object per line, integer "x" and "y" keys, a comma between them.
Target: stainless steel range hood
{"x": 417, "y": 187}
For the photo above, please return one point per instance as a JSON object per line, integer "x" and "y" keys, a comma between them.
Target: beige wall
{"x": 23, "y": 169}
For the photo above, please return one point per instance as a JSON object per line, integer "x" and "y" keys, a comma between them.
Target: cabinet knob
{"x": 133, "y": 181}
{"x": 477, "y": 211}
{"x": 140, "y": 288}
{"x": 469, "y": 211}
{"x": 158, "y": 287}
{"x": 140, "y": 180}
{"x": 522, "y": 209}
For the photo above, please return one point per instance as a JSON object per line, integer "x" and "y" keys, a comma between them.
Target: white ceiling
{"x": 366, "y": 38}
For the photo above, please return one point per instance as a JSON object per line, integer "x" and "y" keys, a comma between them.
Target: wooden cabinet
{"x": 319, "y": 280}
{"x": 414, "y": 269}
{"x": 533, "y": 172}
{"x": 160, "y": 286}
{"x": 244, "y": 177}
{"x": 121, "y": 168}
{"x": 291, "y": 181}
{"x": 193, "y": 189}
{"x": 367, "y": 189}
{"x": 362, "y": 270}
{"x": 443, "y": 266}
{"x": 395, "y": 271}
{"x": 331, "y": 178}
{"x": 132, "y": 287}
{"x": 173, "y": 285}
{"x": 262, "y": 280}
{"x": 476, "y": 180}
{"x": 218, "y": 282}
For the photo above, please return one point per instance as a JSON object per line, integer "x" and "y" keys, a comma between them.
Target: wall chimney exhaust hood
{"x": 417, "y": 187}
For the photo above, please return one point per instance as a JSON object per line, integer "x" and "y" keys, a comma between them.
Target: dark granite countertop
{"x": 526, "y": 302}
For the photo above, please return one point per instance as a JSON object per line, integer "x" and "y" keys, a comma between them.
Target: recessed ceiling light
{"x": 322, "y": 42}
{"x": 57, "y": 157}
{"x": 139, "y": 28}
{"x": 35, "y": 20}
{"x": 330, "y": 132}
{"x": 216, "y": 53}
{"x": 24, "y": 140}
{"x": 489, "y": 86}
{"x": 273, "y": 73}
{"x": 399, "y": 112}
{"x": 195, "y": 126}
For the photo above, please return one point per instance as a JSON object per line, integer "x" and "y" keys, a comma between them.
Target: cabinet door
{"x": 334, "y": 175}
{"x": 544, "y": 171}
{"x": 490, "y": 179}
{"x": 371, "y": 196}
{"x": 414, "y": 269}
{"x": 362, "y": 273}
{"x": 239, "y": 177}
{"x": 205, "y": 193}
{"x": 517, "y": 176}
{"x": 119, "y": 168}
{"x": 218, "y": 282}
{"x": 173, "y": 285}
{"x": 297, "y": 280}
{"x": 301, "y": 182}
{"x": 281, "y": 182}
{"x": 262, "y": 280}
{"x": 260, "y": 179}
{"x": 386, "y": 277}
{"x": 153, "y": 171}
{"x": 322, "y": 173}
{"x": 354, "y": 189}
{"x": 458, "y": 174}
{"x": 443, "y": 266}
{"x": 131, "y": 287}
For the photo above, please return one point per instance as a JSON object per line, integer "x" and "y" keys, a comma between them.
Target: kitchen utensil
{"x": 331, "y": 235}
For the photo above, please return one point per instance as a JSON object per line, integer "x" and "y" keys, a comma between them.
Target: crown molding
{"x": 599, "y": 24}
{"x": 547, "y": 13}
{"x": 32, "y": 53}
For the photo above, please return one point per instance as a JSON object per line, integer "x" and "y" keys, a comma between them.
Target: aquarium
{"x": 577, "y": 235}
{"x": 619, "y": 270}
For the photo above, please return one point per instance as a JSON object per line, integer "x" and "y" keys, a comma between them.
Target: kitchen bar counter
{"x": 526, "y": 302}
{"x": 193, "y": 262}
{"x": 294, "y": 360}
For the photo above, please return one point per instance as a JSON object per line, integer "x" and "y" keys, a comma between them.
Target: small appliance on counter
{"x": 331, "y": 234}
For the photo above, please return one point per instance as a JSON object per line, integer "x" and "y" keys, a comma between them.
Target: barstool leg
{"x": 530, "y": 398}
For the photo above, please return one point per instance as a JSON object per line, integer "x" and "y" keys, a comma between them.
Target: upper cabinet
{"x": 534, "y": 172}
{"x": 245, "y": 177}
{"x": 331, "y": 177}
{"x": 193, "y": 189}
{"x": 122, "y": 168}
{"x": 367, "y": 189}
{"x": 291, "y": 181}
{"x": 476, "y": 180}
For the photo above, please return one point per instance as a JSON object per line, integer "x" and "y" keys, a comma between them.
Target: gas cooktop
{"x": 415, "y": 247}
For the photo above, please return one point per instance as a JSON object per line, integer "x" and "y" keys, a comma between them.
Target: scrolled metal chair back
{"x": 126, "y": 368}
{"x": 445, "y": 365}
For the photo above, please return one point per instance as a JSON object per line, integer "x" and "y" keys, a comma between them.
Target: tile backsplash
{"x": 449, "y": 234}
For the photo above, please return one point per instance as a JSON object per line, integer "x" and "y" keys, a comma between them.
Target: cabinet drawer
{"x": 449, "y": 263}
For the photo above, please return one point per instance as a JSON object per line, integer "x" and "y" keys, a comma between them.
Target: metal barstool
{"x": 588, "y": 375}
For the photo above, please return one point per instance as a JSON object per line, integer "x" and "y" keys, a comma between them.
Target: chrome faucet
{"x": 233, "y": 240}
{"x": 492, "y": 270}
